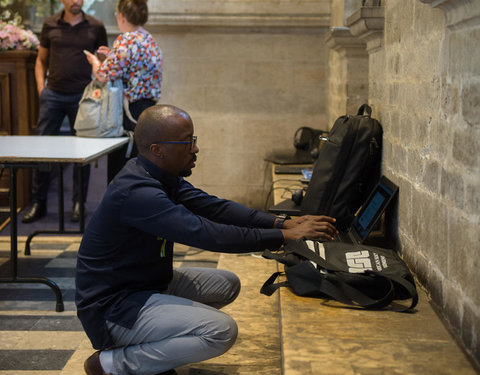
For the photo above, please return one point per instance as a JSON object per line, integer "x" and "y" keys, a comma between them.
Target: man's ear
{"x": 157, "y": 150}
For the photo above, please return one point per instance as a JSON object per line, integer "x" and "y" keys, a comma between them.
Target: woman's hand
{"x": 103, "y": 51}
{"x": 95, "y": 63}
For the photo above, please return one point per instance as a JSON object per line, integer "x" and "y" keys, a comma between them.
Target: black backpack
{"x": 356, "y": 275}
{"x": 347, "y": 168}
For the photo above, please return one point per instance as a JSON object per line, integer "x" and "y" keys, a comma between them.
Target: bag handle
{"x": 349, "y": 295}
{"x": 409, "y": 287}
{"x": 267, "y": 254}
{"x": 268, "y": 287}
{"x": 129, "y": 133}
{"x": 365, "y": 108}
{"x": 128, "y": 153}
{"x": 332, "y": 287}
{"x": 126, "y": 108}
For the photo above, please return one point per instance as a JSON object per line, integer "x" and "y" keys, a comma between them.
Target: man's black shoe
{"x": 35, "y": 212}
{"x": 76, "y": 212}
{"x": 92, "y": 365}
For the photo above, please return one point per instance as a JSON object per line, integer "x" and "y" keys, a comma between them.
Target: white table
{"x": 32, "y": 151}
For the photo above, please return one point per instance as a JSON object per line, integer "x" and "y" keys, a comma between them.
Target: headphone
{"x": 303, "y": 138}
{"x": 308, "y": 139}
{"x": 297, "y": 196}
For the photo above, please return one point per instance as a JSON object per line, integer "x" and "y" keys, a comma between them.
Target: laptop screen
{"x": 374, "y": 207}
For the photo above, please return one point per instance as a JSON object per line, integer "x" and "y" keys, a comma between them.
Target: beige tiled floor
{"x": 257, "y": 350}
{"x": 348, "y": 341}
{"x": 315, "y": 336}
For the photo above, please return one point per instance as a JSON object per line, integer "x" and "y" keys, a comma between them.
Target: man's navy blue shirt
{"x": 126, "y": 253}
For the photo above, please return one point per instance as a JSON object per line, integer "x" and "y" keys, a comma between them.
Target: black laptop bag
{"x": 347, "y": 168}
{"x": 356, "y": 275}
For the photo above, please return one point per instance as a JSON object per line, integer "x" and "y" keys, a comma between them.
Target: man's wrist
{"x": 280, "y": 219}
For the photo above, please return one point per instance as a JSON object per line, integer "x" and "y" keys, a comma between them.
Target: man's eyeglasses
{"x": 192, "y": 143}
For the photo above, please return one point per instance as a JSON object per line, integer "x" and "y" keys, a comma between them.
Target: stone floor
{"x": 282, "y": 334}
{"x": 37, "y": 340}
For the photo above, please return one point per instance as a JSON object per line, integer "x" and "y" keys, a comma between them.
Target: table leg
{"x": 14, "y": 248}
{"x": 61, "y": 215}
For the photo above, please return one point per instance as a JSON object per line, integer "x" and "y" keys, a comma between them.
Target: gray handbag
{"x": 100, "y": 111}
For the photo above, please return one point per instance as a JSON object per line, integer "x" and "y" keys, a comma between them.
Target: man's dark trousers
{"x": 54, "y": 106}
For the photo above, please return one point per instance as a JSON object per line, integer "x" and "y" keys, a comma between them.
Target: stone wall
{"x": 249, "y": 73}
{"x": 424, "y": 87}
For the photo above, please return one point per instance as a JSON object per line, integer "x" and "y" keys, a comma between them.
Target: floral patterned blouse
{"x": 136, "y": 58}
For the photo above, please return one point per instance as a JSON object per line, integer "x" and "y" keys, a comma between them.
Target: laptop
{"x": 370, "y": 212}
{"x": 365, "y": 219}
{"x": 287, "y": 206}
{"x": 288, "y": 169}
{"x": 287, "y": 157}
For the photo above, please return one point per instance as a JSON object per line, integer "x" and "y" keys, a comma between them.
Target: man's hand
{"x": 309, "y": 226}
{"x": 92, "y": 59}
{"x": 41, "y": 67}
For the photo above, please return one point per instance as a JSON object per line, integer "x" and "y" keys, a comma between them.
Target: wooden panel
{"x": 19, "y": 111}
{"x": 5, "y": 129}
{"x": 5, "y": 109}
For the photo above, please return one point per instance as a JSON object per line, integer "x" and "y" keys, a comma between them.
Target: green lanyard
{"x": 162, "y": 249}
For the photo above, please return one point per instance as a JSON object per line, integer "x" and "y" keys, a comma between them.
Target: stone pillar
{"x": 458, "y": 13}
{"x": 367, "y": 23}
{"x": 351, "y": 6}
{"x": 348, "y": 72}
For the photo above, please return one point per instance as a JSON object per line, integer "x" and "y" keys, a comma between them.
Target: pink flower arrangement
{"x": 16, "y": 38}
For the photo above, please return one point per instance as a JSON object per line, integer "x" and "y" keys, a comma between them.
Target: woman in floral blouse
{"x": 137, "y": 60}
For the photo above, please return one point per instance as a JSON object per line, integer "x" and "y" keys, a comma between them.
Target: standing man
{"x": 62, "y": 72}
{"x": 143, "y": 315}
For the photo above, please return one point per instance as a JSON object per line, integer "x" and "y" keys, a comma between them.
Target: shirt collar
{"x": 159, "y": 174}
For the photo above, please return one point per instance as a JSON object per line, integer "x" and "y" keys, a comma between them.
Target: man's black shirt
{"x": 126, "y": 253}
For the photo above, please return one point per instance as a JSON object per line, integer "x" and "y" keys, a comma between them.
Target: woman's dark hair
{"x": 135, "y": 11}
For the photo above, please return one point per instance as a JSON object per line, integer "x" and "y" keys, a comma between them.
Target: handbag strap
{"x": 409, "y": 287}
{"x": 279, "y": 257}
{"x": 126, "y": 108}
{"x": 128, "y": 153}
{"x": 349, "y": 295}
{"x": 268, "y": 287}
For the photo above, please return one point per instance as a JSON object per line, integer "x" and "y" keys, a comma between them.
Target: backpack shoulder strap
{"x": 311, "y": 255}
